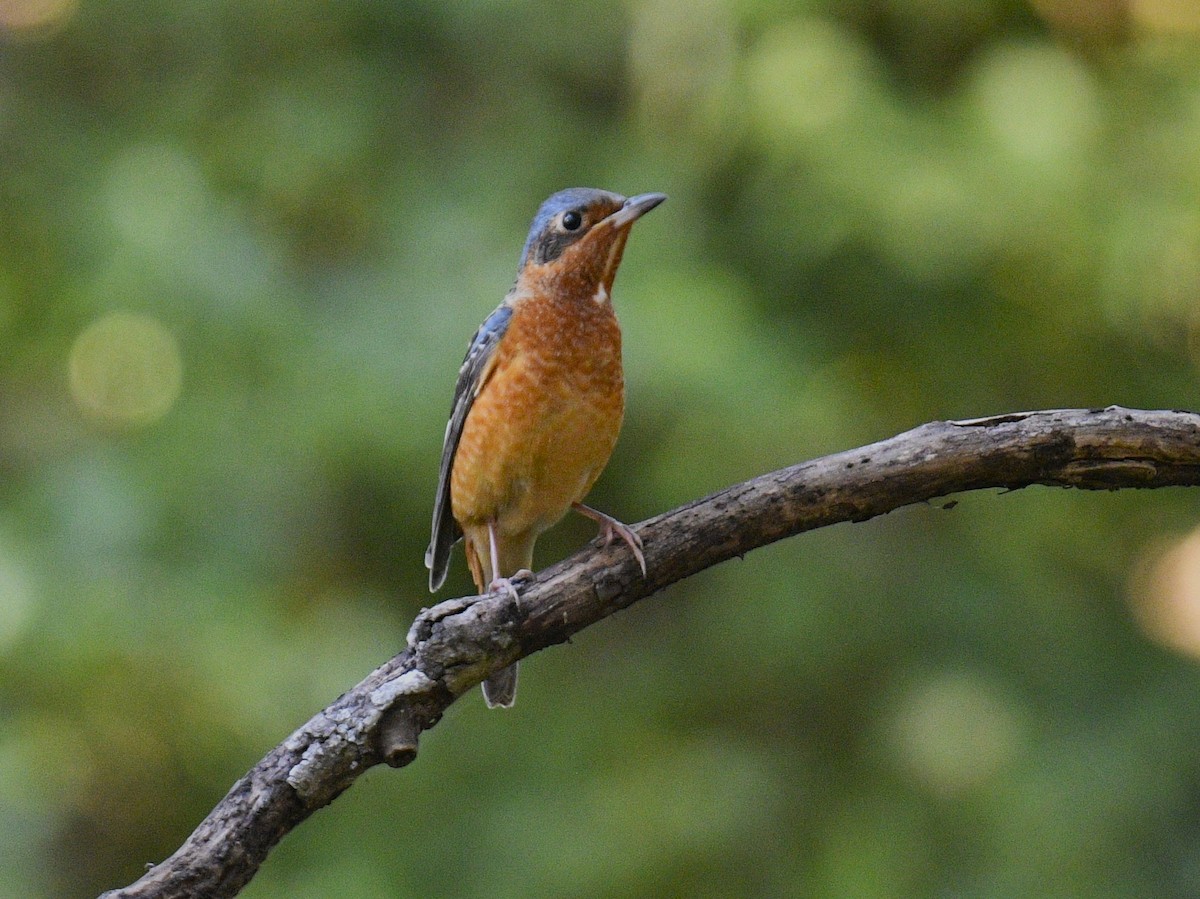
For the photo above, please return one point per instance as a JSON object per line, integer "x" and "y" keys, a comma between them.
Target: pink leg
{"x": 498, "y": 582}
{"x": 610, "y": 526}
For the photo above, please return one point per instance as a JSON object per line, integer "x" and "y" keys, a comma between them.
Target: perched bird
{"x": 539, "y": 401}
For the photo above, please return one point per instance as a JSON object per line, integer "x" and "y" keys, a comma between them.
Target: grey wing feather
{"x": 445, "y": 529}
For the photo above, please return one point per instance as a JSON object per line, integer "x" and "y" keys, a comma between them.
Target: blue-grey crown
{"x": 571, "y": 198}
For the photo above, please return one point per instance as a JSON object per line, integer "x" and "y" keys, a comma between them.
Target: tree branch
{"x": 457, "y": 643}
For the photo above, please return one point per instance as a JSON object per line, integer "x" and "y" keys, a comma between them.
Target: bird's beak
{"x": 634, "y": 209}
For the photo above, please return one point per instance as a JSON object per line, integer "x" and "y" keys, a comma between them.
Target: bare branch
{"x": 454, "y": 645}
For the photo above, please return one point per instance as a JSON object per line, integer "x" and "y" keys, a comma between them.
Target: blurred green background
{"x": 242, "y": 248}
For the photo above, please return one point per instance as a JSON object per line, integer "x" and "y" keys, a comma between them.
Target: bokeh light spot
{"x": 1165, "y": 594}
{"x": 29, "y": 15}
{"x": 1166, "y": 15}
{"x": 126, "y": 370}
{"x": 155, "y": 194}
{"x": 1038, "y": 102}
{"x": 805, "y": 80}
{"x": 954, "y": 731}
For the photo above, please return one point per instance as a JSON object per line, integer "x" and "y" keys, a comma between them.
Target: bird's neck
{"x": 584, "y": 274}
{"x": 564, "y": 288}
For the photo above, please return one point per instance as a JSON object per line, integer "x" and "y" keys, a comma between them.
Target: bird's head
{"x": 576, "y": 241}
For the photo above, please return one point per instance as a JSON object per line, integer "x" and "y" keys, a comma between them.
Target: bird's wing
{"x": 471, "y": 378}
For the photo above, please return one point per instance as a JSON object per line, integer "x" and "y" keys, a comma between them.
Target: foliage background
{"x": 242, "y": 247}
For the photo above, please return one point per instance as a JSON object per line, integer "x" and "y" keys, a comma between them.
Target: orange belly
{"x": 545, "y": 422}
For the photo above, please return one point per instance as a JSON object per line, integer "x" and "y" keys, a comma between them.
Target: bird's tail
{"x": 500, "y": 690}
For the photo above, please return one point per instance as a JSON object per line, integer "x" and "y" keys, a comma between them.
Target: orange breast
{"x": 546, "y": 421}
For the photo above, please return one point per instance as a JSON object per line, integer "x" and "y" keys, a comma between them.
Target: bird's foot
{"x": 508, "y": 585}
{"x": 610, "y": 527}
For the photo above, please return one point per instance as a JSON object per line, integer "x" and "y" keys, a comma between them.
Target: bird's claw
{"x": 508, "y": 585}
{"x": 609, "y": 527}
{"x": 632, "y": 540}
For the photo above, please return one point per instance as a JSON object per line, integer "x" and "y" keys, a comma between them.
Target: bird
{"x": 539, "y": 402}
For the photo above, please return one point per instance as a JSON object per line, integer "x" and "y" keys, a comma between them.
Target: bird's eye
{"x": 572, "y": 220}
